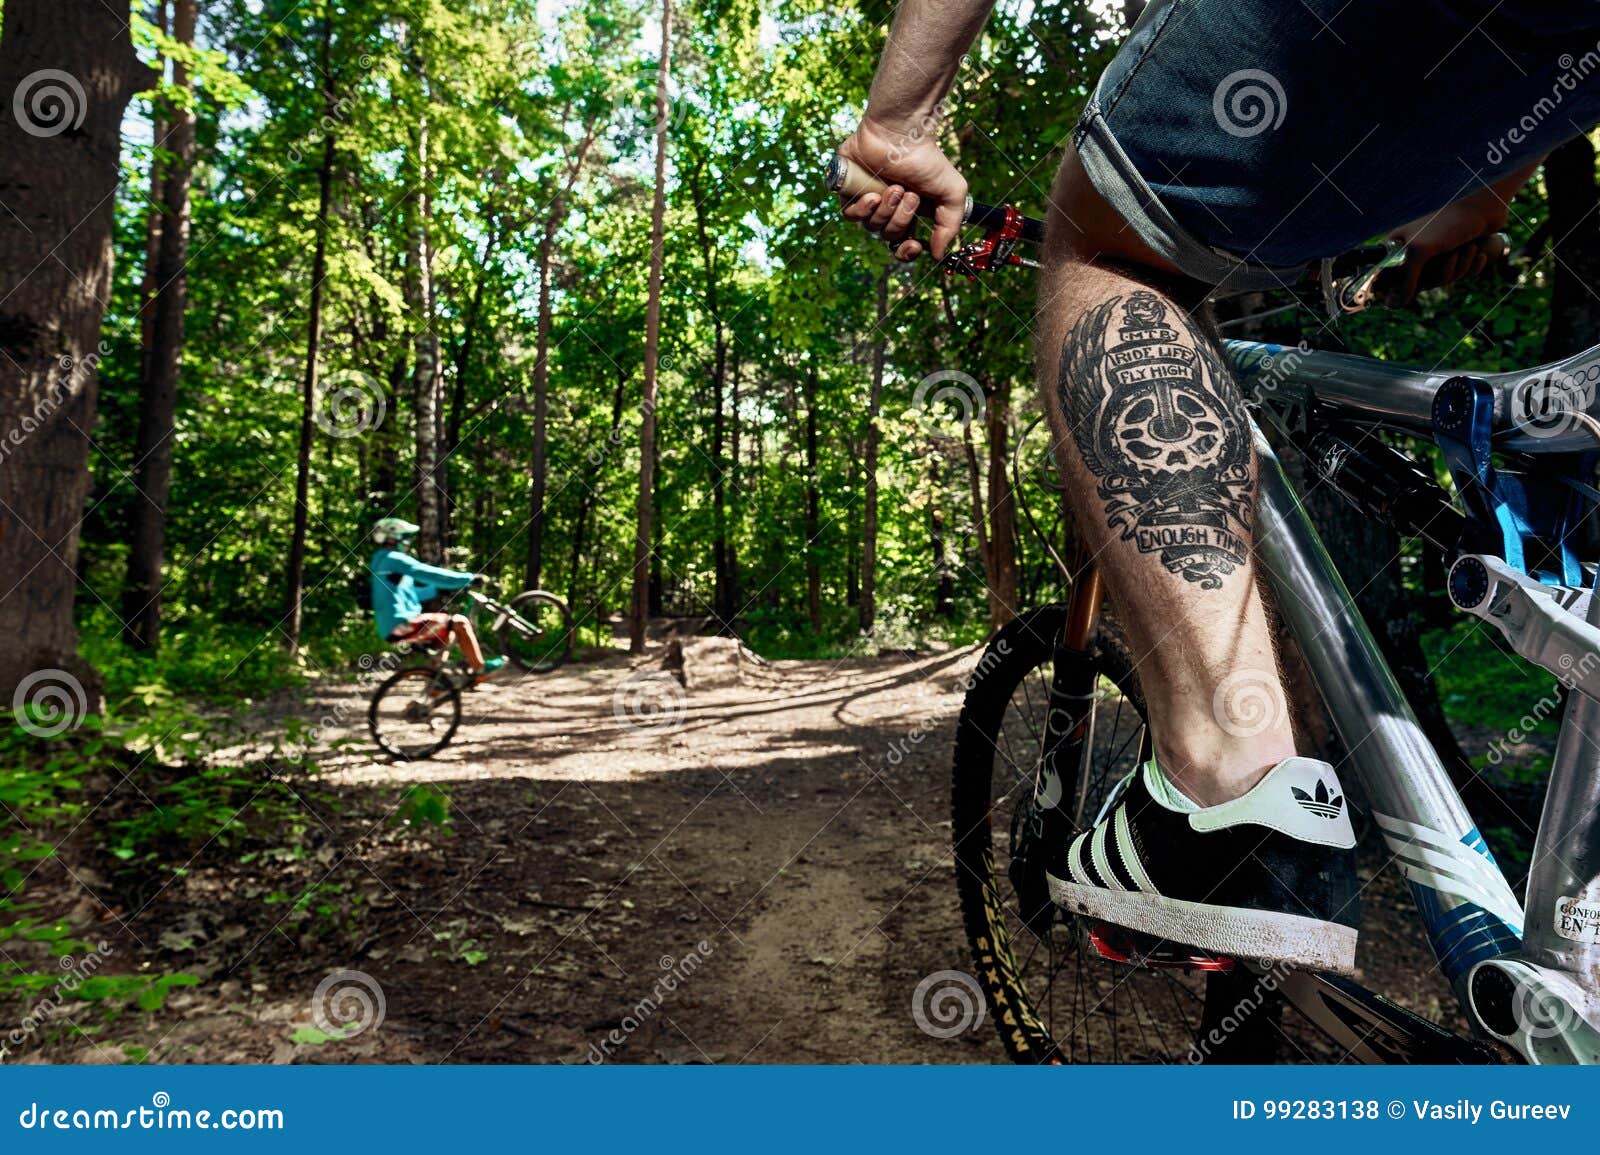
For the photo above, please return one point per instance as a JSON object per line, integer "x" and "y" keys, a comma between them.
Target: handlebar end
{"x": 838, "y": 167}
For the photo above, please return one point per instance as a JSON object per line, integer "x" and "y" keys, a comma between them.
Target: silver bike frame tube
{"x": 1375, "y": 391}
{"x": 1469, "y": 909}
{"x": 1564, "y": 883}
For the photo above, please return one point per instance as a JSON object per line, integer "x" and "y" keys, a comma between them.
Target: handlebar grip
{"x": 851, "y": 181}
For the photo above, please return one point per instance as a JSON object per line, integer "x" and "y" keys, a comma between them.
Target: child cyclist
{"x": 401, "y": 583}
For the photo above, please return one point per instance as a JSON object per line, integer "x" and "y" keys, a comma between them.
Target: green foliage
{"x": 1483, "y": 686}
{"x": 424, "y": 806}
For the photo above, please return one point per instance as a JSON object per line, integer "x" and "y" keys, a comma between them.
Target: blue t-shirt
{"x": 401, "y": 583}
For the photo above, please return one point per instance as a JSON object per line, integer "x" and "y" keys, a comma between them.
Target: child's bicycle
{"x": 1053, "y": 722}
{"x": 416, "y": 710}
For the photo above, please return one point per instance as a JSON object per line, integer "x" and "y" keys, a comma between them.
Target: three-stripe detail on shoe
{"x": 1106, "y": 857}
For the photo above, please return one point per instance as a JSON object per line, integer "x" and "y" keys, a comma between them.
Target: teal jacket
{"x": 401, "y": 583}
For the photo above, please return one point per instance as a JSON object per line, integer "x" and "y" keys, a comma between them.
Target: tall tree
{"x": 154, "y": 213}
{"x": 67, "y": 71}
{"x": 652, "y": 348}
{"x": 813, "y": 516}
{"x": 163, "y": 356}
{"x": 295, "y": 594}
{"x": 1000, "y": 503}
{"x": 725, "y": 595}
{"x": 425, "y": 378}
{"x": 571, "y": 168}
{"x": 869, "y": 519}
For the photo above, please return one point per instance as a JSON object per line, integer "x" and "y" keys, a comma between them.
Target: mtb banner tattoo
{"x": 1161, "y": 428}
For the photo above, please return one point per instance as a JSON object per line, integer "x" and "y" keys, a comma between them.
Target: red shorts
{"x": 424, "y": 630}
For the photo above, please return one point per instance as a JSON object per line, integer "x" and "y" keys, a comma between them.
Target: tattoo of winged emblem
{"x": 1160, "y": 426}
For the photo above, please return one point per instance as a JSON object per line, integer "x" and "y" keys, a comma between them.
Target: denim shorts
{"x": 1245, "y": 139}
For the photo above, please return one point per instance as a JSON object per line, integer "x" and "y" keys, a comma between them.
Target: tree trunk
{"x": 1575, "y": 243}
{"x": 463, "y": 363}
{"x": 425, "y": 345}
{"x": 538, "y": 482}
{"x": 158, "y": 400}
{"x": 652, "y": 346}
{"x": 980, "y": 524}
{"x": 944, "y": 585}
{"x": 869, "y": 523}
{"x": 732, "y": 516}
{"x": 308, "y": 399}
{"x": 813, "y": 508}
{"x": 59, "y": 153}
{"x": 1002, "y": 567}
{"x": 723, "y": 596}
{"x": 590, "y": 495}
{"x": 152, "y": 236}
{"x": 386, "y": 469}
{"x": 541, "y": 401}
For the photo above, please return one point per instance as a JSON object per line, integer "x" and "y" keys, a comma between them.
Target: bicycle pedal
{"x": 1133, "y": 948}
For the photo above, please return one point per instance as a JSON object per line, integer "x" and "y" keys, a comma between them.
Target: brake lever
{"x": 1357, "y": 292}
{"x": 997, "y": 248}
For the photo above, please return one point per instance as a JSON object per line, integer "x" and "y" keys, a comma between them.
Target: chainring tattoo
{"x": 1160, "y": 427}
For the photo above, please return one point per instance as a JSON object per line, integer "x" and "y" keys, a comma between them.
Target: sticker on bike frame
{"x": 1469, "y": 909}
{"x": 1578, "y": 920}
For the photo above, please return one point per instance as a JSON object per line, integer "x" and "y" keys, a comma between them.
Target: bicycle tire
{"x": 443, "y": 709}
{"x": 520, "y": 648}
{"x": 1026, "y": 1028}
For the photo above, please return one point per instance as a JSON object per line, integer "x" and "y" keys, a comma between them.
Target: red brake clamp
{"x": 998, "y": 248}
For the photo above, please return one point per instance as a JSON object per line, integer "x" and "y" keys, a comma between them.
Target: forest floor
{"x": 761, "y": 875}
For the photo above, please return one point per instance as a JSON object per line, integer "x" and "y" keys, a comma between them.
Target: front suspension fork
{"x": 1070, "y": 721}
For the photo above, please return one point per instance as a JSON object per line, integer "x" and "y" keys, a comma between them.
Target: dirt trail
{"x": 752, "y": 869}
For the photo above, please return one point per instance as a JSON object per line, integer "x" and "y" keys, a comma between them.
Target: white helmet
{"x": 393, "y": 529}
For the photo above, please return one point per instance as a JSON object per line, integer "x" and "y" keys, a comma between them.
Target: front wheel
{"x": 535, "y": 632}
{"x": 414, "y": 713}
{"x": 1052, "y": 995}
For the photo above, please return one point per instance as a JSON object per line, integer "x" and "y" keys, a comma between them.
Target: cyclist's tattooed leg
{"x": 1156, "y": 457}
{"x": 1153, "y": 413}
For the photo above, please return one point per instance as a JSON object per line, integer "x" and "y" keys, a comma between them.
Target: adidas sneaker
{"x": 1269, "y": 875}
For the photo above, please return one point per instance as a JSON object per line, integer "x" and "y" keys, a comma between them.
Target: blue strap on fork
{"x": 1504, "y": 511}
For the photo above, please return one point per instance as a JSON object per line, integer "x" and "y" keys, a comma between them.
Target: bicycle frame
{"x": 1523, "y": 978}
